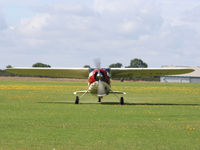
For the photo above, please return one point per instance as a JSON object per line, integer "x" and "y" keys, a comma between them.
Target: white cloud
{"x": 73, "y": 34}
{"x": 3, "y": 24}
{"x": 33, "y": 25}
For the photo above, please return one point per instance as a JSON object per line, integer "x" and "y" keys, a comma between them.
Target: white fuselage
{"x": 99, "y": 88}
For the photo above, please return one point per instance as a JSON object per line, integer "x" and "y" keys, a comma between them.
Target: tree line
{"x": 134, "y": 63}
{"x": 38, "y": 64}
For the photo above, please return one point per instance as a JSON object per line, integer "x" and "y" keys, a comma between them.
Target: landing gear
{"x": 99, "y": 99}
{"x": 122, "y": 101}
{"x": 77, "y": 100}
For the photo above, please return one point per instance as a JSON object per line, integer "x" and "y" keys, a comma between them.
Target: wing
{"x": 52, "y": 72}
{"x": 145, "y": 72}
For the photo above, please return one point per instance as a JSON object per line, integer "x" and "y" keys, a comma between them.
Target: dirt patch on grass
{"x": 39, "y": 79}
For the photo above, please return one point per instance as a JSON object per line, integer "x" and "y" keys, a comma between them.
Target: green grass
{"x": 41, "y": 115}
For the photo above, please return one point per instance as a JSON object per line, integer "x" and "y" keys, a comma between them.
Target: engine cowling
{"x": 99, "y": 74}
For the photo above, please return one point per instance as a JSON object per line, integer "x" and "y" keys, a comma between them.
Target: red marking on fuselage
{"x": 92, "y": 76}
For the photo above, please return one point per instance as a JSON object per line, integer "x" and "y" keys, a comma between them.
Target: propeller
{"x": 97, "y": 63}
{"x": 101, "y": 88}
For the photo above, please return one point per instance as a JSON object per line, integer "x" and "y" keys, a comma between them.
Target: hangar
{"x": 193, "y": 77}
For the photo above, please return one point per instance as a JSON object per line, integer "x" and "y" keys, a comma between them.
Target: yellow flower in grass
{"x": 189, "y": 128}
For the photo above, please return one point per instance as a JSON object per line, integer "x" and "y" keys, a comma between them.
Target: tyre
{"x": 99, "y": 99}
{"x": 77, "y": 100}
{"x": 121, "y": 101}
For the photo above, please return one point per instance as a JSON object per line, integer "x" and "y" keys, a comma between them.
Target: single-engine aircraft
{"x": 99, "y": 83}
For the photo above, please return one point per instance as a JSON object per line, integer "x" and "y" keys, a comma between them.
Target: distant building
{"x": 193, "y": 77}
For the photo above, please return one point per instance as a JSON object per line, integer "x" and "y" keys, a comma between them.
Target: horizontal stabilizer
{"x": 117, "y": 92}
{"x": 101, "y": 95}
{"x": 81, "y": 92}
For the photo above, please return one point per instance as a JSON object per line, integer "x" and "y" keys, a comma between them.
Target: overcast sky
{"x": 72, "y": 33}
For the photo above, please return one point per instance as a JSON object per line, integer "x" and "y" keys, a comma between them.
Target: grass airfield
{"x": 42, "y": 115}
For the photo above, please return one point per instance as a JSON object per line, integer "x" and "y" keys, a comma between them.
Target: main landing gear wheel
{"x": 99, "y": 99}
{"x": 121, "y": 101}
{"x": 77, "y": 100}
